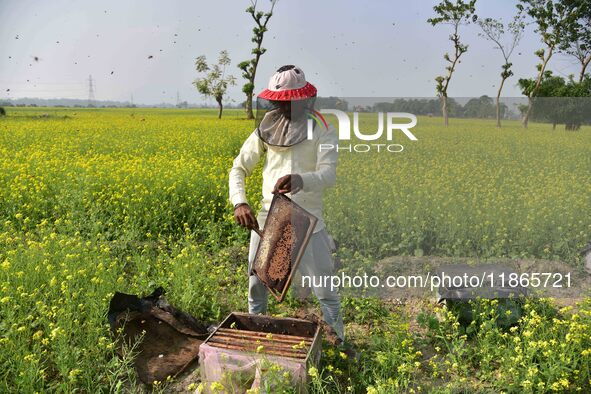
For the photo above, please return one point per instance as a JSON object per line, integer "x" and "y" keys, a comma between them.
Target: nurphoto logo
{"x": 344, "y": 131}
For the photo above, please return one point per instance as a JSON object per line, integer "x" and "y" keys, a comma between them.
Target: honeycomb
{"x": 283, "y": 237}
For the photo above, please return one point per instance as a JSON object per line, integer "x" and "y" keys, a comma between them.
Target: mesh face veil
{"x": 283, "y": 123}
{"x": 282, "y": 108}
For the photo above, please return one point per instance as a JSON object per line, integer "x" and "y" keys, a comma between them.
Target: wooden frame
{"x": 283, "y": 325}
{"x": 295, "y": 210}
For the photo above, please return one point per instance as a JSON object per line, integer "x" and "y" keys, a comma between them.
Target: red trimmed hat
{"x": 288, "y": 84}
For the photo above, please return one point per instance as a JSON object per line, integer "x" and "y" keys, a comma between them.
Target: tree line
{"x": 563, "y": 26}
{"x": 479, "y": 107}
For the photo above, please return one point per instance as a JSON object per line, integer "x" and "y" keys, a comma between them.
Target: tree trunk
{"x": 249, "y": 113}
{"x": 572, "y": 126}
{"x": 499, "y": 102}
{"x": 535, "y": 89}
{"x": 219, "y": 100}
{"x": 527, "y": 114}
{"x": 252, "y": 77}
{"x": 444, "y": 110}
{"x": 248, "y": 106}
{"x": 584, "y": 65}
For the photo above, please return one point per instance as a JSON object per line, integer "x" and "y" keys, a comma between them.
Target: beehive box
{"x": 283, "y": 241}
{"x": 245, "y": 348}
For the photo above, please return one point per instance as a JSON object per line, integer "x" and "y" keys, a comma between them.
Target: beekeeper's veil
{"x": 283, "y": 107}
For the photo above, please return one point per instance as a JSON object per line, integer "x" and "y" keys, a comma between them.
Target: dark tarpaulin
{"x": 171, "y": 338}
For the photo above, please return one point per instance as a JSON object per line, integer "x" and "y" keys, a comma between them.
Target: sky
{"x": 347, "y": 48}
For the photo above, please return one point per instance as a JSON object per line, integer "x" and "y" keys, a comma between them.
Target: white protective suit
{"x": 318, "y": 171}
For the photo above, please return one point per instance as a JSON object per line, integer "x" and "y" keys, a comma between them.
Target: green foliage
{"x": 548, "y": 87}
{"x": 364, "y": 310}
{"x": 482, "y": 107}
{"x": 394, "y": 362}
{"x": 2, "y": 111}
{"x": 552, "y": 20}
{"x": 243, "y": 65}
{"x": 579, "y": 29}
{"x": 456, "y": 14}
{"x": 560, "y": 101}
{"x": 215, "y": 83}
{"x": 421, "y": 107}
{"x": 248, "y": 88}
{"x": 249, "y": 67}
{"x": 547, "y": 350}
{"x": 507, "y": 72}
{"x": 577, "y": 40}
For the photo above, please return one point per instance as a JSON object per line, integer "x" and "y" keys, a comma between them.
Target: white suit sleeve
{"x": 326, "y": 162}
{"x": 249, "y": 156}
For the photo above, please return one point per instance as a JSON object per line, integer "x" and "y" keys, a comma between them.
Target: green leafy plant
{"x": 215, "y": 82}
{"x": 552, "y": 19}
{"x": 249, "y": 67}
{"x": 456, "y": 14}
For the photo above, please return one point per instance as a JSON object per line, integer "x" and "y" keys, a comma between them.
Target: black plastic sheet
{"x": 166, "y": 339}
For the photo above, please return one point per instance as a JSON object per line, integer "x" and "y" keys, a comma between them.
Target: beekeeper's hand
{"x": 291, "y": 183}
{"x": 245, "y": 216}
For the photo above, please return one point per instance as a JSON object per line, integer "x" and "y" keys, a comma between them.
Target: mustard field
{"x": 94, "y": 201}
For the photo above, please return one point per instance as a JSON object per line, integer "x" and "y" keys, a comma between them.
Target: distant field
{"x": 472, "y": 190}
{"x": 98, "y": 200}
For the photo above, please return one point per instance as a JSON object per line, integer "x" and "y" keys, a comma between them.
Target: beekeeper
{"x": 293, "y": 165}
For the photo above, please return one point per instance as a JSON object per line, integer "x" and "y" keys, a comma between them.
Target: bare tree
{"x": 455, "y": 14}
{"x": 249, "y": 67}
{"x": 215, "y": 82}
{"x": 551, "y": 18}
{"x": 494, "y": 30}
